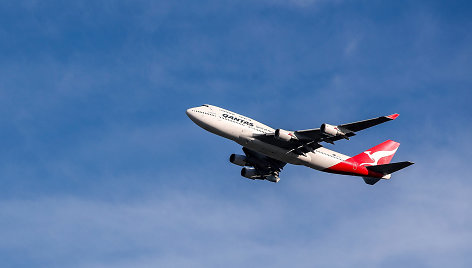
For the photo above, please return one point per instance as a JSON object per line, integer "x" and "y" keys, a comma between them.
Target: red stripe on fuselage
{"x": 351, "y": 167}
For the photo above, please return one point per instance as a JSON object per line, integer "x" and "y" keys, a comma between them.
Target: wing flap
{"x": 263, "y": 163}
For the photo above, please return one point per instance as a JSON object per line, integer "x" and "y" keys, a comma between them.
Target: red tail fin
{"x": 377, "y": 155}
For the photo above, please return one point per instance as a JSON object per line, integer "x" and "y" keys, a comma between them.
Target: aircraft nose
{"x": 191, "y": 114}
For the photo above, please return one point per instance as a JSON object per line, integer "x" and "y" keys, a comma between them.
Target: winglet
{"x": 392, "y": 116}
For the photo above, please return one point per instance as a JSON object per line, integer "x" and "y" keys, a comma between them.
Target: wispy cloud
{"x": 423, "y": 222}
{"x": 101, "y": 167}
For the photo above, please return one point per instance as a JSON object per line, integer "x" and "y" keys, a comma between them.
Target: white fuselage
{"x": 242, "y": 130}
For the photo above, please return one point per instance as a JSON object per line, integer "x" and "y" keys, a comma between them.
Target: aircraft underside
{"x": 267, "y": 150}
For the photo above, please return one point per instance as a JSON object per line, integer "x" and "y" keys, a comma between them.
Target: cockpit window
{"x": 206, "y": 105}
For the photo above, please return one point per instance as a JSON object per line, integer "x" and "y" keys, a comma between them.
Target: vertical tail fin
{"x": 378, "y": 155}
{"x": 377, "y": 159}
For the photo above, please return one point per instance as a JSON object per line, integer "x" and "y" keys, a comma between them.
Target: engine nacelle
{"x": 272, "y": 178}
{"x": 239, "y": 160}
{"x": 331, "y": 130}
{"x": 250, "y": 173}
{"x": 284, "y": 135}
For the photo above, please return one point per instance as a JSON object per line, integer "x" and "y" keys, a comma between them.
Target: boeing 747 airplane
{"x": 267, "y": 150}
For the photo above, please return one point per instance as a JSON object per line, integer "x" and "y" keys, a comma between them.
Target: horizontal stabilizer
{"x": 370, "y": 181}
{"x": 389, "y": 168}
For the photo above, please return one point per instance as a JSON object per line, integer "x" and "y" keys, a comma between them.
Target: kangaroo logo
{"x": 376, "y": 156}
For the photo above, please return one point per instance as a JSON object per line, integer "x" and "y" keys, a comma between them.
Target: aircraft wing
{"x": 304, "y": 141}
{"x": 265, "y": 164}
{"x": 349, "y": 129}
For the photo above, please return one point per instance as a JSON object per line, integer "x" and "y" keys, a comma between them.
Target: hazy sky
{"x": 100, "y": 166}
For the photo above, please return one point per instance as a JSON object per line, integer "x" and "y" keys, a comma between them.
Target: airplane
{"x": 268, "y": 150}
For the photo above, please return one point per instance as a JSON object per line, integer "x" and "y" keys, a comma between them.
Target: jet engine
{"x": 239, "y": 160}
{"x": 250, "y": 173}
{"x": 284, "y": 135}
{"x": 331, "y": 130}
{"x": 272, "y": 178}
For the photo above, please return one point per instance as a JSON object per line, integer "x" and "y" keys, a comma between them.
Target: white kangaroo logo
{"x": 376, "y": 156}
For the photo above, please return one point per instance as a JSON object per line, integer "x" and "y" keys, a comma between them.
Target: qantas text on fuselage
{"x": 267, "y": 150}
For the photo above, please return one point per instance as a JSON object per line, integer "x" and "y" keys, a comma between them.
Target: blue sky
{"x": 100, "y": 167}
